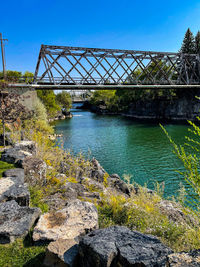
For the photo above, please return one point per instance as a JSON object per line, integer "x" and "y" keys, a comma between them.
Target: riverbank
{"x": 125, "y": 146}
{"x": 82, "y": 191}
{"x": 158, "y": 109}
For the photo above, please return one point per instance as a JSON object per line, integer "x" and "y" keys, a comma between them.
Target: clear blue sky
{"x": 129, "y": 24}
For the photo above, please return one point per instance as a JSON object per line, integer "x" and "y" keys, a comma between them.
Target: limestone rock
{"x": 62, "y": 252}
{"x": 119, "y": 246}
{"x": 12, "y": 188}
{"x": 15, "y": 156}
{"x": 18, "y": 172}
{"x": 175, "y": 213}
{"x": 16, "y": 221}
{"x": 185, "y": 259}
{"x": 73, "y": 190}
{"x": 28, "y": 146}
{"x": 56, "y": 201}
{"x": 97, "y": 172}
{"x": 92, "y": 184}
{"x": 76, "y": 219}
{"x": 119, "y": 184}
{"x": 35, "y": 170}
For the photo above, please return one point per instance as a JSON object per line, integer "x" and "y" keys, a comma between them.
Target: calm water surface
{"x": 124, "y": 146}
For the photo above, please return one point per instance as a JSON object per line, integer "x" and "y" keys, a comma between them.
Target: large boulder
{"x": 28, "y": 146}
{"x": 184, "y": 259}
{"x": 13, "y": 188}
{"x": 76, "y": 219}
{"x": 119, "y": 246}
{"x": 15, "y": 156}
{"x": 62, "y": 252}
{"x": 16, "y": 221}
{"x": 18, "y": 172}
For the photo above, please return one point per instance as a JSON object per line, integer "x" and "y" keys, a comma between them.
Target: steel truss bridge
{"x": 78, "y": 68}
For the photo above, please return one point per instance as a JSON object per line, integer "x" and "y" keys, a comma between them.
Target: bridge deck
{"x": 81, "y": 87}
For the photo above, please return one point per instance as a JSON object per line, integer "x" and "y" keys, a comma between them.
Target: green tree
{"x": 48, "y": 98}
{"x": 102, "y": 97}
{"x": 197, "y": 43}
{"x": 12, "y": 75}
{"x": 28, "y": 76}
{"x": 188, "y": 45}
{"x": 64, "y": 99}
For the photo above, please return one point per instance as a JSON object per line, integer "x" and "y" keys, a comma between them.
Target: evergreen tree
{"x": 197, "y": 43}
{"x": 188, "y": 45}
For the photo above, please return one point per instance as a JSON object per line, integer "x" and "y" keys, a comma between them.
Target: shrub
{"x": 140, "y": 212}
{"x": 190, "y": 157}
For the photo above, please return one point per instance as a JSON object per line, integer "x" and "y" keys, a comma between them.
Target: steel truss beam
{"x": 74, "y": 66}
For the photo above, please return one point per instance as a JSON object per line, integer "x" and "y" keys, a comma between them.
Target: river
{"x": 125, "y": 146}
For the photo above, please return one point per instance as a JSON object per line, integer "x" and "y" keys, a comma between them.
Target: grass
{"x": 21, "y": 254}
{"x": 5, "y": 166}
{"x": 141, "y": 213}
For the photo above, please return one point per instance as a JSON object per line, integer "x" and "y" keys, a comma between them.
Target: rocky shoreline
{"x": 176, "y": 110}
{"x": 61, "y": 116}
{"x": 71, "y": 225}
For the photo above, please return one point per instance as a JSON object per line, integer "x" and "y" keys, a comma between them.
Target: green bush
{"x": 189, "y": 154}
{"x": 48, "y": 98}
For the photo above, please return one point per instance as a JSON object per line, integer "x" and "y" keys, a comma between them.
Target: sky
{"x": 137, "y": 25}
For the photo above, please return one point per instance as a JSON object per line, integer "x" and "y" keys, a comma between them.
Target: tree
{"x": 197, "y": 43}
{"x": 188, "y": 45}
{"x": 28, "y": 76}
{"x": 11, "y": 109}
{"x": 185, "y": 67}
{"x": 64, "y": 99}
{"x": 48, "y": 98}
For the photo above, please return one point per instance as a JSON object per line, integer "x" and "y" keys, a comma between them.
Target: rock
{"x": 115, "y": 175}
{"x": 119, "y": 246}
{"x": 76, "y": 219}
{"x": 18, "y": 172}
{"x": 28, "y": 146}
{"x": 56, "y": 201}
{"x": 67, "y": 114}
{"x": 16, "y": 221}
{"x": 15, "y": 156}
{"x": 119, "y": 185}
{"x": 92, "y": 185}
{"x": 97, "y": 172}
{"x": 73, "y": 190}
{"x": 12, "y": 188}
{"x": 175, "y": 213}
{"x": 91, "y": 196}
{"x": 35, "y": 170}
{"x": 62, "y": 252}
{"x": 184, "y": 259}
{"x": 182, "y": 108}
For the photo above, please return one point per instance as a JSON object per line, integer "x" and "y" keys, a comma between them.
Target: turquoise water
{"x": 125, "y": 146}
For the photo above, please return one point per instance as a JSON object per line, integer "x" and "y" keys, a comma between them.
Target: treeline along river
{"x": 124, "y": 146}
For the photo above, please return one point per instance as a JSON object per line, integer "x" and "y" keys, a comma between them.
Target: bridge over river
{"x": 79, "y": 68}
